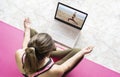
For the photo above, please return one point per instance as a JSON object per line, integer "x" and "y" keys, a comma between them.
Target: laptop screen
{"x": 70, "y": 15}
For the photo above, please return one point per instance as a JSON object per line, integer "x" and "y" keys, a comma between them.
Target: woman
{"x": 34, "y": 60}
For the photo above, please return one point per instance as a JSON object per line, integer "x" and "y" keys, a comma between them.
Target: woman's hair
{"x": 39, "y": 47}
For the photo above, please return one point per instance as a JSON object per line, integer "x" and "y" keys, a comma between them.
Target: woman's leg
{"x": 59, "y": 53}
{"x": 64, "y": 55}
{"x": 69, "y": 55}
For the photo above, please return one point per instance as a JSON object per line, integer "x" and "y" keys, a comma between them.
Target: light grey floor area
{"x": 101, "y": 29}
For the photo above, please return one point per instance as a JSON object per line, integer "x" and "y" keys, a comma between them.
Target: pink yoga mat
{"x": 11, "y": 40}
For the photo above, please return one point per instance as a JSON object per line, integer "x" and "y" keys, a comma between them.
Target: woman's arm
{"x": 19, "y": 53}
{"x": 67, "y": 65}
{"x": 26, "y": 33}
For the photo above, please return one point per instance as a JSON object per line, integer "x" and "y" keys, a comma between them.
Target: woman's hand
{"x": 87, "y": 49}
{"x": 27, "y": 23}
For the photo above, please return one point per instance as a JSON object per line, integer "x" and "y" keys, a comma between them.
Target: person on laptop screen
{"x": 73, "y": 18}
{"x": 34, "y": 59}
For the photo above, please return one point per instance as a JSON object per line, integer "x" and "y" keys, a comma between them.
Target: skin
{"x": 56, "y": 70}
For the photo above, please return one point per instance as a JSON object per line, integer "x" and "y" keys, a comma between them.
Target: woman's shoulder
{"x": 20, "y": 50}
{"x": 52, "y": 72}
{"x": 56, "y": 70}
{"x": 19, "y": 53}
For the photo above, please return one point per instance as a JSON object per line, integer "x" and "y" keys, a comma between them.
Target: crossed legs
{"x": 64, "y": 55}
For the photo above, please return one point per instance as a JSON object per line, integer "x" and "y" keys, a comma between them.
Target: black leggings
{"x": 64, "y": 55}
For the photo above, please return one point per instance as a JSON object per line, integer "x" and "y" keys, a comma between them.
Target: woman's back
{"x": 53, "y": 72}
{"x": 48, "y": 69}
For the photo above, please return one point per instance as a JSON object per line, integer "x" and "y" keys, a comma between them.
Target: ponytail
{"x": 39, "y": 47}
{"x": 31, "y": 62}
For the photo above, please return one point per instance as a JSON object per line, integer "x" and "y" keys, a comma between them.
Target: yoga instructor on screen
{"x": 73, "y": 18}
{"x": 34, "y": 59}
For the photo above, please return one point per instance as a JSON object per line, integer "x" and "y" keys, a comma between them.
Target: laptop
{"x": 67, "y": 25}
